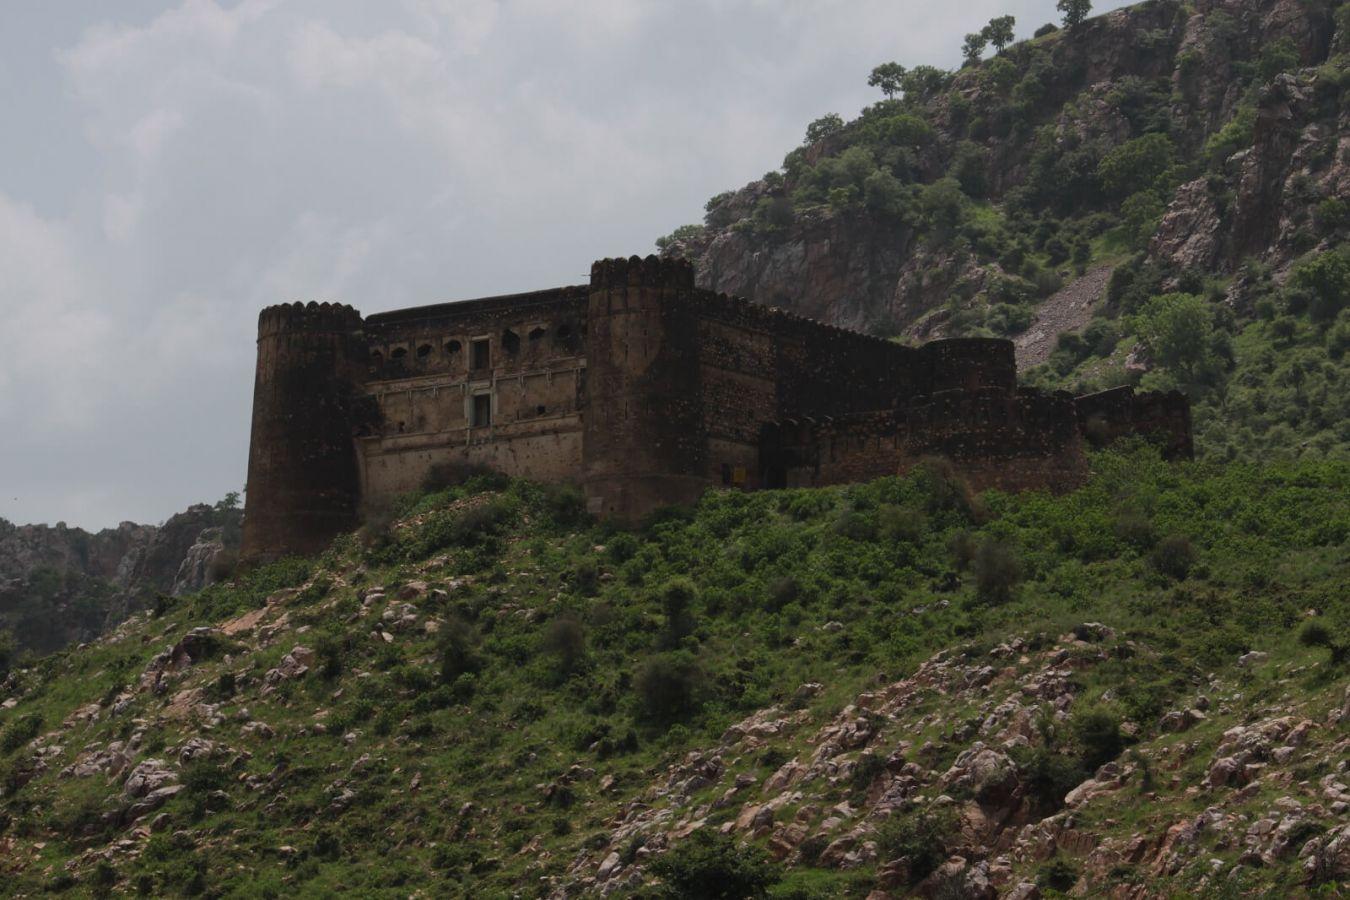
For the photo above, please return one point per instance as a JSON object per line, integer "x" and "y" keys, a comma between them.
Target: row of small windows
{"x": 480, "y": 350}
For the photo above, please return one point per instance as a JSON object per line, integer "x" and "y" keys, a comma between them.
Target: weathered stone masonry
{"x": 644, "y": 390}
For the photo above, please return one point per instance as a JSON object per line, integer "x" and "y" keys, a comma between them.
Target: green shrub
{"x": 1316, "y": 634}
{"x": 921, "y": 838}
{"x": 1135, "y": 528}
{"x": 1236, "y": 135}
{"x": 458, "y": 650}
{"x": 1097, "y": 731}
{"x": 997, "y": 571}
{"x": 1048, "y": 776}
{"x": 1173, "y": 556}
{"x": 1136, "y": 165}
{"x": 19, "y": 732}
{"x": 565, "y": 641}
{"x": 678, "y": 597}
{"x": 1057, "y": 875}
{"x": 713, "y": 866}
{"x": 1332, "y": 213}
{"x": 1325, "y": 279}
{"x": 868, "y": 767}
{"x": 668, "y": 686}
{"x": 901, "y": 524}
{"x": 683, "y": 233}
{"x": 782, "y": 591}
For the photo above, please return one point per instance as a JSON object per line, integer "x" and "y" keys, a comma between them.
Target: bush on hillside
{"x": 1097, "y": 731}
{"x": 1047, "y": 776}
{"x": 677, "y": 603}
{"x": 459, "y": 653}
{"x": 997, "y": 571}
{"x": 713, "y": 866}
{"x": 565, "y": 641}
{"x": 1173, "y": 556}
{"x": 668, "y": 687}
{"x": 1316, "y": 634}
{"x": 921, "y": 838}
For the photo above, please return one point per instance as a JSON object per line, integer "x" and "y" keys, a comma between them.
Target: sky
{"x": 168, "y": 169}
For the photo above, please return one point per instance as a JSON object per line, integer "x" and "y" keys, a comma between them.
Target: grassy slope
{"x": 421, "y": 762}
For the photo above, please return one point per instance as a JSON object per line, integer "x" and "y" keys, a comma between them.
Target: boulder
{"x": 148, "y": 776}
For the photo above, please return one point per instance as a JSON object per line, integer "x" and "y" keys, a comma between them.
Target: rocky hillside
{"x": 61, "y": 585}
{"x": 1138, "y": 690}
{"x": 1167, "y": 150}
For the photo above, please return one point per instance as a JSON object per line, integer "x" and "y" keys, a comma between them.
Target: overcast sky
{"x": 167, "y": 169}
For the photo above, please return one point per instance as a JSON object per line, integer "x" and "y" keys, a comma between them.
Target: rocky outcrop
{"x": 60, "y": 585}
{"x": 854, "y": 267}
{"x": 201, "y": 565}
{"x": 829, "y": 805}
{"x": 839, "y": 269}
{"x": 1260, "y": 205}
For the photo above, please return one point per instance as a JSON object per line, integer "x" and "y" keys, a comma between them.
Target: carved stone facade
{"x": 644, "y": 390}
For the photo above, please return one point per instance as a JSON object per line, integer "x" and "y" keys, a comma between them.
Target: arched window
{"x": 424, "y": 351}
{"x": 536, "y": 334}
{"x": 399, "y": 353}
{"x": 510, "y": 342}
{"x": 452, "y": 347}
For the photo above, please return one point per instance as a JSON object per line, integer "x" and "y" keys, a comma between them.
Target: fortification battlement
{"x": 486, "y": 307}
{"x": 647, "y": 391}
{"x": 636, "y": 271}
{"x": 1127, "y": 399}
{"x": 312, "y": 316}
{"x": 740, "y": 311}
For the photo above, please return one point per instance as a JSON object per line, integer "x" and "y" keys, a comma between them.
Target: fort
{"x": 645, "y": 391}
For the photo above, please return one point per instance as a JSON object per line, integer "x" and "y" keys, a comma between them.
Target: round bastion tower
{"x": 645, "y": 442}
{"x": 303, "y": 483}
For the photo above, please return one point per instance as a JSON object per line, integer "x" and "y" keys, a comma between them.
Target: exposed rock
{"x": 200, "y": 565}
{"x": 1180, "y": 720}
{"x": 958, "y": 878}
{"x": 293, "y": 665}
{"x": 1327, "y": 857}
{"x": 149, "y": 775}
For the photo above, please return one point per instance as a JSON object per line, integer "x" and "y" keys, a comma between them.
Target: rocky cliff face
{"x": 60, "y": 585}
{"x": 1248, "y": 81}
{"x": 1261, "y": 204}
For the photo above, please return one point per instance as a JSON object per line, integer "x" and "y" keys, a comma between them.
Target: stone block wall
{"x": 645, "y": 390}
{"x": 1120, "y": 412}
{"x": 497, "y": 383}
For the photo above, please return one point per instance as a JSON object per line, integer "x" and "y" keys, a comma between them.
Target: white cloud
{"x": 466, "y": 25}
{"x": 52, "y": 338}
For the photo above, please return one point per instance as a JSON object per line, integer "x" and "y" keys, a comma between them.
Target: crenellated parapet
{"x": 637, "y": 271}
{"x": 1163, "y": 416}
{"x": 312, "y": 316}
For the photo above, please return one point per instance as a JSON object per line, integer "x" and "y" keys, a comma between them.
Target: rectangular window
{"x": 482, "y": 410}
{"x": 481, "y": 354}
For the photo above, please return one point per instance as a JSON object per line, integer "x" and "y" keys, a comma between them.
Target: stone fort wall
{"x": 645, "y": 391}
{"x": 496, "y": 383}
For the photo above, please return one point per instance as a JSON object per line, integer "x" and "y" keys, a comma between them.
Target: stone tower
{"x": 644, "y": 445}
{"x": 303, "y": 483}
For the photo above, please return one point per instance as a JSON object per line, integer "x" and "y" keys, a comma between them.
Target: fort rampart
{"x": 645, "y": 391}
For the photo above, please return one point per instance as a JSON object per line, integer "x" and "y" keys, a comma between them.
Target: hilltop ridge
{"x": 1166, "y": 161}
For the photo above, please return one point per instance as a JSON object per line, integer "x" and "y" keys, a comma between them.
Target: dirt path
{"x": 1069, "y": 309}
